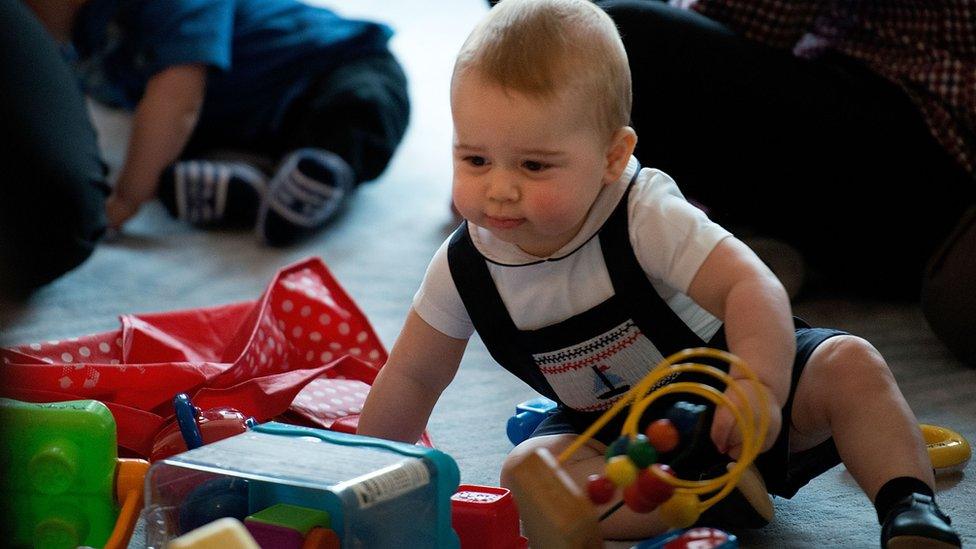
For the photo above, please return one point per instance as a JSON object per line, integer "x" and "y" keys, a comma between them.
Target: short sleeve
{"x": 438, "y": 302}
{"x": 671, "y": 237}
{"x": 186, "y": 32}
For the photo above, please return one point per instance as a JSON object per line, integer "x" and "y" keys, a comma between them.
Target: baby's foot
{"x": 917, "y": 522}
{"x": 304, "y": 194}
{"x": 213, "y": 193}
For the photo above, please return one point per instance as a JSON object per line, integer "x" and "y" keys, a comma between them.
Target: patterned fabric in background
{"x": 302, "y": 353}
{"x": 927, "y": 47}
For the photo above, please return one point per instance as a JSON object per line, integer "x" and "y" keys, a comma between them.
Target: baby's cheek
{"x": 551, "y": 208}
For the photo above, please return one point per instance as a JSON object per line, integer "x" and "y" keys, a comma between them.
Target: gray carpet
{"x": 379, "y": 249}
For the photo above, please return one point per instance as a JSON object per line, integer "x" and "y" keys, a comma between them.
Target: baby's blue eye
{"x": 476, "y": 160}
{"x": 534, "y": 166}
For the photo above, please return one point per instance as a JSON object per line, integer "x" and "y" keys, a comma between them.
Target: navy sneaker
{"x": 213, "y": 193}
{"x": 917, "y": 522}
{"x": 304, "y": 194}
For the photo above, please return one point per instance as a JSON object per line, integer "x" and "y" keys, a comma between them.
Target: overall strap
{"x": 653, "y": 316}
{"x": 488, "y": 313}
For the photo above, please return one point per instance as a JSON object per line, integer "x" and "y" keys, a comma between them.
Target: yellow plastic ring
{"x": 948, "y": 450}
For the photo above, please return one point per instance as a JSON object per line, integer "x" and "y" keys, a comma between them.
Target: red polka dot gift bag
{"x": 302, "y": 353}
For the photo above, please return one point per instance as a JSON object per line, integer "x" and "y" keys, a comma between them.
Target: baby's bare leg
{"x": 847, "y": 391}
{"x": 589, "y": 459}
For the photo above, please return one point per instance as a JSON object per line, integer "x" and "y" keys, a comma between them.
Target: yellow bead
{"x": 621, "y": 471}
{"x": 680, "y": 511}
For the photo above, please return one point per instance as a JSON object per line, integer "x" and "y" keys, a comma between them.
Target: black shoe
{"x": 748, "y": 505}
{"x": 917, "y": 522}
{"x": 213, "y": 193}
{"x": 304, "y": 194}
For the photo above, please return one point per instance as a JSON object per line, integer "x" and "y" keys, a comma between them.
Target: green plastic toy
{"x": 57, "y": 473}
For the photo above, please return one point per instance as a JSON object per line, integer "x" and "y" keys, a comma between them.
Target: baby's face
{"x": 526, "y": 169}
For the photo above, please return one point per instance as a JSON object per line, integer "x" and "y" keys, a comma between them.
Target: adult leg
{"x": 821, "y": 154}
{"x": 948, "y": 299}
{"x": 52, "y": 199}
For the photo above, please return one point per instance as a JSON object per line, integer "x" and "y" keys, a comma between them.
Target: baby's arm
{"x": 161, "y": 126}
{"x": 422, "y": 364}
{"x": 737, "y": 287}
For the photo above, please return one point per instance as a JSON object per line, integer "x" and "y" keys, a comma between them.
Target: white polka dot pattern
{"x": 307, "y": 322}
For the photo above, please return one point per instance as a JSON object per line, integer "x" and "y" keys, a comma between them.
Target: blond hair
{"x": 542, "y": 47}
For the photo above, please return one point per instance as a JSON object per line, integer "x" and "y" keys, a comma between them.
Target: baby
{"x": 580, "y": 270}
{"x": 264, "y": 113}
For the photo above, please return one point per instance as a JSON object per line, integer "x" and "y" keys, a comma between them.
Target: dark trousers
{"x": 822, "y": 154}
{"x": 358, "y": 111}
{"x": 52, "y": 187}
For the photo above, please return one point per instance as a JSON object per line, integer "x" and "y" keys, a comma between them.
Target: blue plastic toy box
{"x": 378, "y": 493}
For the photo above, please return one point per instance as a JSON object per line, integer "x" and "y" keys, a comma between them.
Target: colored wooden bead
{"x": 685, "y": 415}
{"x": 641, "y": 452}
{"x": 680, "y": 511}
{"x": 621, "y": 471}
{"x": 664, "y": 436}
{"x": 618, "y": 447}
{"x": 652, "y": 488}
{"x": 600, "y": 489}
{"x": 636, "y": 501}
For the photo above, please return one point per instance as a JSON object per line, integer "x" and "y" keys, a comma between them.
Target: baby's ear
{"x": 618, "y": 153}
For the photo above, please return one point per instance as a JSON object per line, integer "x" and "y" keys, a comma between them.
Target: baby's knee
{"x": 554, "y": 444}
{"x": 851, "y": 362}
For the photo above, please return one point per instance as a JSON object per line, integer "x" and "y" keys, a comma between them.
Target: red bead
{"x": 636, "y": 501}
{"x": 654, "y": 490}
{"x": 664, "y": 436}
{"x": 600, "y": 489}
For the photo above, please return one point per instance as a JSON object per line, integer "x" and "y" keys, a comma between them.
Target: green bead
{"x": 642, "y": 452}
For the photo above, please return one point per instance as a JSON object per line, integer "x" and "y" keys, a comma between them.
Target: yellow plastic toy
{"x": 948, "y": 450}
{"x": 545, "y": 516}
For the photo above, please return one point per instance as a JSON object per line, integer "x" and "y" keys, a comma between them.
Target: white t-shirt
{"x": 670, "y": 237}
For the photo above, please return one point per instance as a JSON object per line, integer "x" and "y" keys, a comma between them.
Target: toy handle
{"x": 521, "y": 425}
{"x": 129, "y": 476}
{"x": 186, "y": 418}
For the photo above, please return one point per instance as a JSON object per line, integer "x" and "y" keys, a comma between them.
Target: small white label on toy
{"x": 389, "y": 482}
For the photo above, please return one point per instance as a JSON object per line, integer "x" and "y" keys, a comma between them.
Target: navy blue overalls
{"x": 586, "y": 362}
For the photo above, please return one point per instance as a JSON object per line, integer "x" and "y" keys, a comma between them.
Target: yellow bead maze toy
{"x": 556, "y": 513}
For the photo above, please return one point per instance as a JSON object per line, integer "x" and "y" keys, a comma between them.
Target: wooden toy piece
{"x": 321, "y": 538}
{"x": 621, "y": 471}
{"x": 641, "y": 452}
{"x": 684, "y": 416}
{"x": 555, "y": 513}
{"x": 226, "y": 533}
{"x": 285, "y": 526}
{"x": 617, "y": 447}
{"x": 635, "y": 500}
{"x": 653, "y": 489}
{"x": 664, "y": 436}
{"x": 485, "y": 517}
{"x": 600, "y": 489}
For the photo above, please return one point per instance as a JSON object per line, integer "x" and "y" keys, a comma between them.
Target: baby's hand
{"x": 727, "y": 436}
{"x": 119, "y": 210}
